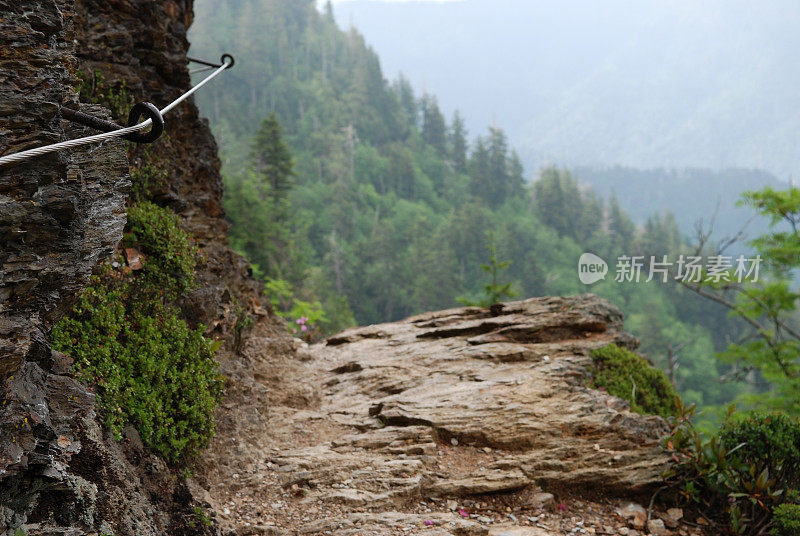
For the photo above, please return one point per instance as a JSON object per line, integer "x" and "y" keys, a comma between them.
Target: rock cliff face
{"x": 60, "y": 215}
{"x": 143, "y": 43}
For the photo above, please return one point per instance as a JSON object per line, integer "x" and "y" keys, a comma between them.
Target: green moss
{"x": 624, "y": 374}
{"x": 127, "y": 338}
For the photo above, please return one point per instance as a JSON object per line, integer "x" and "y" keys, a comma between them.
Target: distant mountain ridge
{"x": 691, "y": 194}
{"x": 640, "y": 84}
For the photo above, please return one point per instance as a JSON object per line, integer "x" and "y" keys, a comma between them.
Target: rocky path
{"x": 460, "y": 422}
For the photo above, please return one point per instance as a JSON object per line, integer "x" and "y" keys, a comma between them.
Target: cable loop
{"x": 112, "y": 130}
{"x": 153, "y": 113}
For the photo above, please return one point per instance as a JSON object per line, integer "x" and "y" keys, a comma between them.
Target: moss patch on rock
{"x": 126, "y": 337}
{"x": 629, "y": 376}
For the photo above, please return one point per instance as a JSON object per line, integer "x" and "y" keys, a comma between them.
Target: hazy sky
{"x": 636, "y": 82}
{"x": 434, "y": 1}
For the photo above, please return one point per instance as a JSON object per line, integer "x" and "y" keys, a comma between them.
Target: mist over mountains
{"x": 635, "y": 83}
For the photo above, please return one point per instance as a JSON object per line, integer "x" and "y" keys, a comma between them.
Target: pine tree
{"x": 591, "y": 217}
{"x": 493, "y": 291}
{"x": 480, "y": 171}
{"x": 401, "y": 176}
{"x": 258, "y": 206}
{"x": 271, "y": 159}
{"x": 516, "y": 175}
{"x": 660, "y": 236}
{"x": 458, "y": 144}
{"x": 433, "y": 127}
{"x": 498, "y": 167}
{"x": 405, "y": 94}
{"x": 551, "y": 197}
{"x": 620, "y": 227}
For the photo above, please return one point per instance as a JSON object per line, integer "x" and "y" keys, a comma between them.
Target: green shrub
{"x": 303, "y": 317}
{"x": 199, "y": 518}
{"x": 748, "y": 472}
{"x": 786, "y": 520}
{"x": 126, "y": 337}
{"x": 172, "y": 254}
{"x": 624, "y": 374}
{"x": 769, "y": 442}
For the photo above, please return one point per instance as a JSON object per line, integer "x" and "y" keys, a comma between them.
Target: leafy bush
{"x": 786, "y": 520}
{"x": 748, "y": 471}
{"x": 126, "y": 337}
{"x": 624, "y": 374}
{"x": 771, "y": 441}
{"x": 157, "y": 232}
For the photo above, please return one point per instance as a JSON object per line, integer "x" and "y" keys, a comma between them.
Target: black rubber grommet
{"x": 222, "y": 60}
{"x": 150, "y": 110}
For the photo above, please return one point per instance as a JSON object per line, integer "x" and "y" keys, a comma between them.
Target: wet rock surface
{"x": 59, "y": 213}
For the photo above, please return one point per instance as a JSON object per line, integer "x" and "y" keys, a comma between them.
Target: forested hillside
{"x": 360, "y": 195}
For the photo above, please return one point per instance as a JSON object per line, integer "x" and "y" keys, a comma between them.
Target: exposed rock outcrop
{"x": 60, "y": 215}
{"x": 446, "y": 407}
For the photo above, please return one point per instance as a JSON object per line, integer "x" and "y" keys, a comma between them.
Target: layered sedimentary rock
{"x": 380, "y": 427}
{"x": 516, "y": 383}
{"x": 59, "y": 213}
